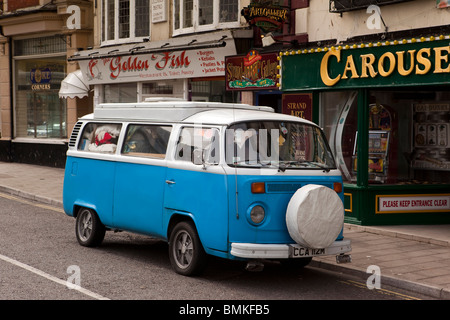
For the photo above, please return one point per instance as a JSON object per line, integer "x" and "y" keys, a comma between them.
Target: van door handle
{"x": 170, "y": 182}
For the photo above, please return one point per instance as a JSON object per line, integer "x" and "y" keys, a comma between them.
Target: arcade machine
{"x": 382, "y": 146}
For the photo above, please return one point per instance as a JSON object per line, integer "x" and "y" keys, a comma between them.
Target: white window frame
{"x": 195, "y": 19}
{"x": 117, "y": 40}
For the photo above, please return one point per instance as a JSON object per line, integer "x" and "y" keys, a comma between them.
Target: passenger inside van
{"x": 101, "y": 138}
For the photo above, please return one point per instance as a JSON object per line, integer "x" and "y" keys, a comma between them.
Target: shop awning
{"x": 74, "y": 86}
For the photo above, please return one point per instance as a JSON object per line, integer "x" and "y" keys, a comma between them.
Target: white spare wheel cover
{"x": 315, "y": 216}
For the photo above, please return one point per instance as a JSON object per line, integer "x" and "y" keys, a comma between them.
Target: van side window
{"x": 146, "y": 140}
{"x": 204, "y": 140}
{"x": 100, "y": 137}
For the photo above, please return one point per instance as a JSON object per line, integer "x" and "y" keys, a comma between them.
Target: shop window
{"x": 201, "y": 15}
{"x": 415, "y": 148}
{"x": 39, "y": 45}
{"x": 100, "y": 137}
{"x": 39, "y": 112}
{"x": 408, "y": 135}
{"x": 350, "y": 5}
{"x": 212, "y": 90}
{"x": 167, "y": 88}
{"x": 125, "y": 20}
{"x": 155, "y": 88}
{"x": 124, "y": 92}
{"x": 146, "y": 141}
{"x": 339, "y": 113}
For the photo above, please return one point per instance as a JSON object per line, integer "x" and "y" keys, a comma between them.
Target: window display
{"x": 409, "y": 135}
{"x": 420, "y": 153}
{"x": 38, "y": 110}
{"x": 431, "y": 137}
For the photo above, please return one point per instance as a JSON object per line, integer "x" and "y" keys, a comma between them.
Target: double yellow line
{"x": 31, "y": 202}
{"x": 382, "y": 291}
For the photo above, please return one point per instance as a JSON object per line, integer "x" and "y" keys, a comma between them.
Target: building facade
{"x": 375, "y": 77}
{"x": 35, "y": 41}
{"x": 145, "y": 49}
{"x": 379, "y": 79}
{"x": 118, "y": 51}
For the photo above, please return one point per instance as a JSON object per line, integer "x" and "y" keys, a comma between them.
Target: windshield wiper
{"x": 282, "y": 166}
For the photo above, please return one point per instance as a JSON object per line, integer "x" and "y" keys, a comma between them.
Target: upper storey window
{"x": 204, "y": 15}
{"x": 338, "y": 6}
{"x": 125, "y": 20}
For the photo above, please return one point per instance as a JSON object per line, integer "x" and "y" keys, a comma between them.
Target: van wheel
{"x": 89, "y": 229}
{"x": 186, "y": 252}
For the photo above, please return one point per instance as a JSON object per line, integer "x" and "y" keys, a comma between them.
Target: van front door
{"x": 196, "y": 186}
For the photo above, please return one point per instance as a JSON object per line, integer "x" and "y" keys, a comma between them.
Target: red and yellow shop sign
{"x": 252, "y": 71}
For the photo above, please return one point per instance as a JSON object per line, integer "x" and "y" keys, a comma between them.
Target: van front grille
{"x": 283, "y": 187}
{"x": 289, "y": 187}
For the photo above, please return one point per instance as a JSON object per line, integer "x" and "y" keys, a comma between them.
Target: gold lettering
{"x": 423, "y": 61}
{"x": 391, "y": 58}
{"x": 367, "y": 64}
{"x": 350, "y": 66}
{"x": 326, "y": 79}
{"x": 400, "y": 63}
{"x": 439, "y": 58}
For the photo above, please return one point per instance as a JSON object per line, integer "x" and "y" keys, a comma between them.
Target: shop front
{"x": 259, "y": 73}
{"x": 191, "y": 67}
{"x": 385, "y": 108}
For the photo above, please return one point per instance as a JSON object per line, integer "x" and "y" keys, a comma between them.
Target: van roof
{"x": 179, "y": 110}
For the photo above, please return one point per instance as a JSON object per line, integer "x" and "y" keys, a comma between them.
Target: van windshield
{"x": 285, "y": 145}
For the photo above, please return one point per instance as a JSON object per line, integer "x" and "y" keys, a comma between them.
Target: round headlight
{"x": 257, "y": 214}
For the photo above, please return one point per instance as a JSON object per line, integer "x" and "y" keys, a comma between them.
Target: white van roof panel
{"x": 228, "y": 116}
{"x": 177, "y": 110}
{"x": 167, "y": 110}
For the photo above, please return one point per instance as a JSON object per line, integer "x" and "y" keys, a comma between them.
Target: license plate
{"x": 302, "y": 252}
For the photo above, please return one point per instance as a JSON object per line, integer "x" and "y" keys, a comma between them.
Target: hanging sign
{"x": 264, "y": 15}
{"x": 252, "y": 71}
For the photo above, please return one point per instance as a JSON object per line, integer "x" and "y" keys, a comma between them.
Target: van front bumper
{"x": 285, "y": 251}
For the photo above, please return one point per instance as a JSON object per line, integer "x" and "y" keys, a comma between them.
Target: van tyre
{"x": 89, "y": 230}
{"x": 186, "y": 252}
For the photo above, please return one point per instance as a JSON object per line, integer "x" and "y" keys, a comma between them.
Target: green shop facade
{"x": 385, "y": 108}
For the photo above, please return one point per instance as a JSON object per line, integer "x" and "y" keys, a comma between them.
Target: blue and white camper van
{"x": 229, "y": 180}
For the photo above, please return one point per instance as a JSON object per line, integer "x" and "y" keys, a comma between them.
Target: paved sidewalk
{"x": 411, "y": 257}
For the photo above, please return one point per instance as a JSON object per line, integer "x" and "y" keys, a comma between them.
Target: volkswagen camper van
{"x": 228, "y": 180}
